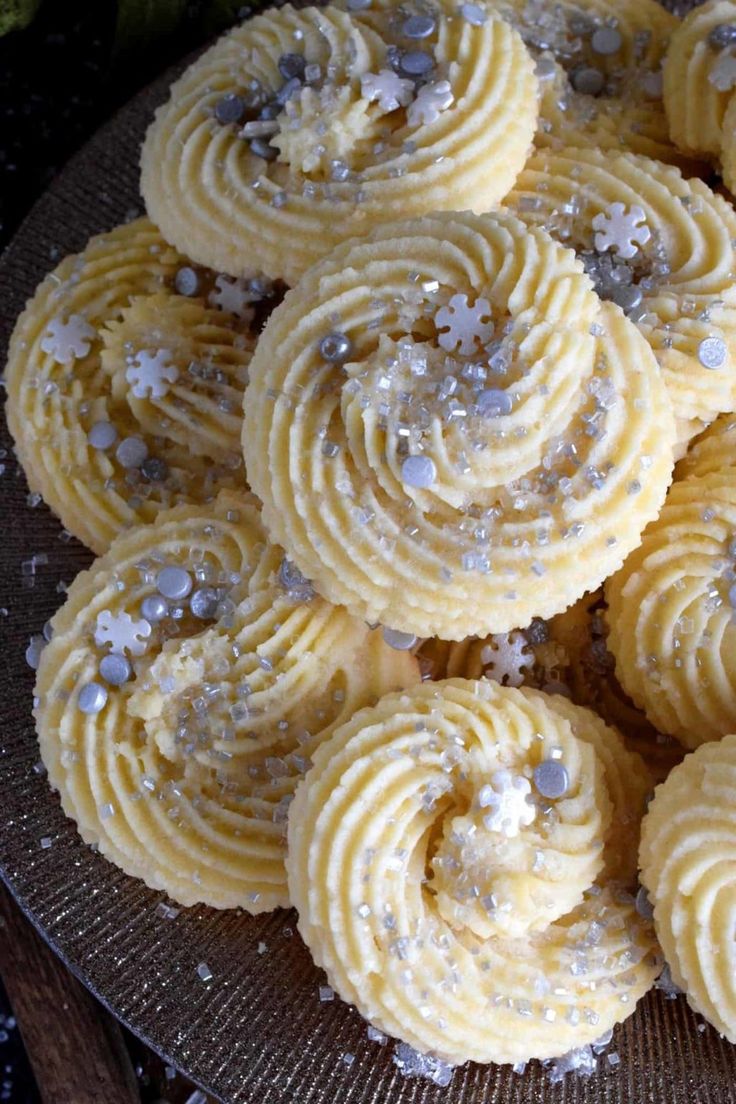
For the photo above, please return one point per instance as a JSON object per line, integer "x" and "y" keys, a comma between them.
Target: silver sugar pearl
{"x": 292, "y": 66}
{"x": 416, "y": 63}
{"x": 102, "y": 435}
{"x": 606, "y": 41}
{"x": 335, "y": 348}
{"x": 92, "y": 698}
{"x": 154, "y": 608}
{"x": 722, "y": 35}
{"x": 401, "y": 641}
{"x": 712, "y": 352}
{"x": 551, "y": 779}
{"x": 154, "y": 470}
{"x": 174, "y": 583}
{"x": 418, "y": 471}
{"x": 204, "y": 603}
{"x": 115, "y": 669}
{"x": 131, "y": 452}
{"x": 589, "y": 81}
{"x": 418, "y": 26}
{"x": 186, "y": 281}
{"x": 493, "y": 403}
{"x": 628, "y": 296}
{"x": 230, "y": 109}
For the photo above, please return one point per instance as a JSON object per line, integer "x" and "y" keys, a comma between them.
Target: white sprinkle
{"x": 712, "y": 352}
{"x": 204, "y": 972}
{"x": 326, "y": 993}
{"x": 401, "y": 641}
{"x": 418, "y": 471}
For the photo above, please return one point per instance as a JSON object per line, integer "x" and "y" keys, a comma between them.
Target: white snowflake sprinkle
{"x": 431, "y": 100}
{"x": 723, "y": 74}
{"x": 464, "y": 325}
{"x": 621, "y": 229}
{"x": 121, "y": 632}
{"x": 151, "y": 373}
{"x": 387, "y": 88}
{"x": 507, "y": 658}
{"x": 233, "y": 295}
{"x": 507, "y": 799}
{"x": 67, "y": 341}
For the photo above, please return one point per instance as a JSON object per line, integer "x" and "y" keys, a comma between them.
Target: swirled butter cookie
{"x": 599, "y": 68}
{"x": 191, "y": 674}
{"x": 125, "y": 379}
{"x": 670, "y": 611}
{"x": 449, "y": 432}
{"x": 688, "y": 865}
{"x": 445, "y": 853}
{"x": 712, "y": 451}
{"x": 660, "y": 246}
{"x": 299, "y": 129}
{"x": 699, "y": 82}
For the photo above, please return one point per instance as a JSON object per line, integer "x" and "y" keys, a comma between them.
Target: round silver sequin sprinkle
{"x": 261, "y": 148}
{"x": 418, "y": 471}
{"x": 551, "y": 778}
{"x": 589, "y": 81}
{"x": 115, "y": 669}
{"x": 712, "y": 352}
{"x": 474, "y": 14}
{"x": 629, "y": 297}
{"x": 102, "y": 435}
{"x": 186, "y": 281}
{"x": 722, "y": 35}
{"x": 131, "y": 452}
{"x": 92, "y": 698}
{"x": 154, "y": 470}
{"x": 401, "y": 641}
{"x": 33, "y": 652}
{"x": 493, "y": 403}
{"x": 154, "y": 608}
{"x": 174, "y": 583}
{"x": 418, "y": 26}
{"x": 643, "y": 905}
{"x": 606, "y": 40}
{"x": 335, "y": 348}
{"x": 204, "y": 603}
{"x": 359, "y": 5}
{"x": 416, "y": 63}
{"x": 230, "y": 109}
{"x": 653, "y": 85}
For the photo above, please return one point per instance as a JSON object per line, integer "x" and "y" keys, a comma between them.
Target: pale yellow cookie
{"x": 449, "y": 432}
{"x": 443, "y": 857}
{"x": 688, "y": 865}
{"x": 376, "y": 125}
{"x": 712, "y": 451}
{"x": 670, "y": 611}
{"x": 661, "y": 246}
{"x": 599, "y": 67}
{"x": 191, "y": 674}
{"x": 125, "y": 379}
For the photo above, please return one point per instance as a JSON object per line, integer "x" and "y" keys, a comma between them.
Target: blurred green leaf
{"x": 15, "y": 14}
{"x": 142, "y": 22}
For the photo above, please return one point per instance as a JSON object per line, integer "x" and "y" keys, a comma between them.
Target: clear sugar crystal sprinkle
{"x": 204, "y": 603}
{"x": 551, "y": 778}
{"x": 92, "y": 698}
{"x": 606, "y": 40}
{"x": 154, "y": 469}
{"x": 335, "y": 348}
{"x": 174, "y": 582}
{"x": 418, "y": 471}
{"x": 186, "y": 281}
{"x": 712, "y": 352}
{"x": 131, "y": 452}
{"x": 493, "y": 403}
{"x": 154, "y": 607}
{"x": 102, "y": 435}
{"x": 400, "y": 640}
{"x": 115, "y": 669}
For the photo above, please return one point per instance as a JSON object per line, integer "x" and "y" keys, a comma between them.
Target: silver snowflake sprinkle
{"x": 150, "y": 374}
{"x": 233, "y": 296}
{"x": 121, "y": 632}
{"x": 621, "y": 229}
{"x": 431, "y": 100}
{"x": 507, "y": 798}
{"x": 506, "y": 659}
{"x": 386, "y": 88}
{"x": 463, "y": 326}
{"x": 67, "y": 341}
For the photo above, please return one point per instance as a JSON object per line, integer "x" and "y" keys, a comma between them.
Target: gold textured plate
{"x": 257, "y": 1031}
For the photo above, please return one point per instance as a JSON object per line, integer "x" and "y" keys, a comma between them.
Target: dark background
{"x": 60, "y": 78}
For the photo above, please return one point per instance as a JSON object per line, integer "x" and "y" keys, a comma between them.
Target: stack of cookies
{"x": 402, "y": 429}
